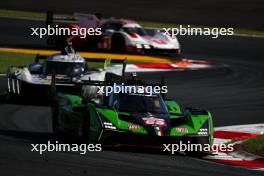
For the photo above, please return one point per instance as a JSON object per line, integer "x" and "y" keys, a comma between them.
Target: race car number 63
{"x": 154, "y": 121}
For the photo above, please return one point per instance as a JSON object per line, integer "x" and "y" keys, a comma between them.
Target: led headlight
{"x": 109, "y": 125}
{"x": 146, "y": 46}
{"x": 138, "y": 45}
{"x": 204, "y": 130}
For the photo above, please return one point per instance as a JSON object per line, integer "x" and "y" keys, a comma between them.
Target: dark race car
{"x": 129, "y": 119}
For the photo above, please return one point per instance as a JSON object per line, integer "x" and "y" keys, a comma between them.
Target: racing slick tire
{"x": 54, "y": 115}
{"x": 84, "y": 130}
{"x": 118, "y": 43}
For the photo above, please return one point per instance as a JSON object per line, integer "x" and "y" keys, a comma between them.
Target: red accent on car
{"x": 155, "y": 40}
{"x": 133, "y": 35}
{"x": 154, "y": 121}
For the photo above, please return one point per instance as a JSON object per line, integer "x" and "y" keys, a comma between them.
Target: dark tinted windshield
{"x": 64, "y": 68}
{"x": 137, "y": 30}
{"x": 112, "y": 26}
{"x": 140, "y": 103}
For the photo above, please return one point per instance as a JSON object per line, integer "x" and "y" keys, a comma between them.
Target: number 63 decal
{"x": 154, "y": 121}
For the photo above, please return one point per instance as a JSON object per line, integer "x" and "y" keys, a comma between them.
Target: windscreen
{"x": 140, "y": 103}
{"x": 64, "y": 68}
{"x": 138, "y": 30}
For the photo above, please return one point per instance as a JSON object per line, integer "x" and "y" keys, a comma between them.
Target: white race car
{"x": 117, "y": 35}
{"x": 35, "y": 80}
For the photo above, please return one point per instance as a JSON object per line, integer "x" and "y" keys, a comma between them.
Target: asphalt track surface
{"x": 228, "y": 13}
{"x": 233, "y": 92}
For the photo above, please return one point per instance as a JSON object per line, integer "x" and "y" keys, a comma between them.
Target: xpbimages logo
{"x": 191, "y": 147}
{"x": 132, "y": 89}
{"x": 196, "y": 31}
{"x": 57, "y": 147}
{"x": 63, "y": 31}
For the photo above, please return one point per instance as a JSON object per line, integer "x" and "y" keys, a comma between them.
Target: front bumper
{"x": 134, "y": 49}
{"x": 123, "y": 138}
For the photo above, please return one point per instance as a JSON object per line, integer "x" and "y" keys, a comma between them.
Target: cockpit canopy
{"x": 70, "y": 65}
{"x": 64, "y": 68}
{"x": 138, "y": 103}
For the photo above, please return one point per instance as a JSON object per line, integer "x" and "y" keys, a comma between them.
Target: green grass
{"x": 14, "y": 59}
{"x": 254, "y": 145}
{"x": 41, "y": 15}
{"x": 17, "y": 59}
{"x": 23, "y": 14}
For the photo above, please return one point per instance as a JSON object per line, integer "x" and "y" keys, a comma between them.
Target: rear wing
{"x": 51, "y": 18}
{"x": 82, "y": 19}
{"x": 87, "y": 20}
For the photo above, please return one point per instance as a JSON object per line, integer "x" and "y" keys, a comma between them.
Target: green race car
{"x": 129, "y": 119}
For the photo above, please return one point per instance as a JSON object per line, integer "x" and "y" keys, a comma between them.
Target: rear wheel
{"x": 55, "y": 117}
{"x": 118, "y": 43}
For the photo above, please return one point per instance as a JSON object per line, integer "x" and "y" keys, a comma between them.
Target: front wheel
{"x": 118, "y": 44}
{"x": 84, "y": 130}
{"x": 55, "y": 116}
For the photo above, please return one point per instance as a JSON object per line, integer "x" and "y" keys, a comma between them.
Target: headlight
{"x": 109, "y": 125}
{"x": 138, "y": 45}
{"x": 204, "y": 130}
{"x": 147, "y": 46}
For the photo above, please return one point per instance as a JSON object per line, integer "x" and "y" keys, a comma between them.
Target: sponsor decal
{"x": 154, "y": 121}
{"x": 133, "y": 127}
{"x": 182, "y": 130}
